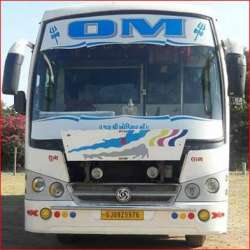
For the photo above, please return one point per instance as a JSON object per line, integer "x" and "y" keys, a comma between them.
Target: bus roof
{"x": 119, "y": 6}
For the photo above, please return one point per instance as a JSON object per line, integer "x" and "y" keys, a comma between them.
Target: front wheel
{"x": 195, "y": 240}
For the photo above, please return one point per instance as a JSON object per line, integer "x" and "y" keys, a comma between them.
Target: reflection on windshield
{"x": 138, "y": 80}
{"x": 87, "y": 88}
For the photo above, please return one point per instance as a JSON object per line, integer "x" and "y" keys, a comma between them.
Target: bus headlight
{"x": 97, "y": 173}
{"x": 152, "y": 172}
{"x": 38, "y": 184}
{"x": 56, "y": 189}
{"x": 212, "y": 185}
{"x": 192, "y": 191}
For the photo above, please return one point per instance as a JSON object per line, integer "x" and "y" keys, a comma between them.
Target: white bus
{"x": 127, "y": 128}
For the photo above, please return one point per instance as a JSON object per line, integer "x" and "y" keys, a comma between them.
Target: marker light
{"x": 38, "y": 184}
{"x": 174, "y": 215}
{"x": 57, "y": 214}
{"x": 212, "y": 185}
{"x": 97, "y": 173}
{"x": 72, "y": 214}
{"x": 203, "y": 215}
{"x": 56, "y": 189}
{"x": 192, "y": 191}
{"x": 190, "y": 215}
{"x": 64, "y": 214}
{"x": 45, "y": 213}
{"x": 183, "y": 216}
{"x": 152, "y": 172}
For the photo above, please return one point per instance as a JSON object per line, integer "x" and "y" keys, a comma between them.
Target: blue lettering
{"x": 108, "y": 28}
{"x": 171, "y": 27}
{"x": 92, "y": 29}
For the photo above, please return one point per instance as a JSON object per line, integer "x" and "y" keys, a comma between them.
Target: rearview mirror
{"x": 20, "y": 102}
{"x": 12, "y": 68}
{"x": 236, "y": 68}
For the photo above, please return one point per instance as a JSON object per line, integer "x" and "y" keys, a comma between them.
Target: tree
{"x": 239, "y": 127}
{"x": 238, "y": 132}
{"x": 13, "y": 134}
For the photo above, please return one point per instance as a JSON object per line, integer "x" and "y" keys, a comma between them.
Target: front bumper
{"x": 157, "y": 220}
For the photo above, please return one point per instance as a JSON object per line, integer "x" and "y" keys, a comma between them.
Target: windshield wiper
{"x": 206, "y": 87}
{"x": 49, "y": 85}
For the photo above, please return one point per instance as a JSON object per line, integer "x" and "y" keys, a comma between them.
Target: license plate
{"x": 122, "y": 215}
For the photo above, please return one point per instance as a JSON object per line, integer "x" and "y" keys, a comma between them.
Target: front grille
{"x": 94, "y": 195}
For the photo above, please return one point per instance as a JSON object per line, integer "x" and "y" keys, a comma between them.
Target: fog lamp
{"x": 97, "y": 173}
{"x": 56, "y": 189}
{"x": 38, "y": 184}
{"x": 152, "y": 172}
{"x": 45, "y": 213}
{"x": 203, "y": 215}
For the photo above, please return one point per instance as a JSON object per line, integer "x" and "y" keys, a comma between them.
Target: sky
{"x": 20, "y": 20}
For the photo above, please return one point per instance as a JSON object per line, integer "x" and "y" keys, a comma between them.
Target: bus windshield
{"x": 131, "y": 79}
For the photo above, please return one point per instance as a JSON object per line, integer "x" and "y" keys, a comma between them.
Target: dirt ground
{"x": 14, "y": 236}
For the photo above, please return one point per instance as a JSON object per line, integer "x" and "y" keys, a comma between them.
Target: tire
{"x": 195, "y": 240}
{"x": 67, "y": 239}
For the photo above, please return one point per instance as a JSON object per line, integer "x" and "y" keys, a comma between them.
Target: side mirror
{"x": 12, "y": 68}
{"x": 20, "y": 102}
{"x": 236, "y": 70}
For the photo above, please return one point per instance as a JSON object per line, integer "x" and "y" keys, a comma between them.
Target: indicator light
{"x": 203, "y": 215}
{"x": 45, "y": 213}
{"x": 57, "y": 214}
{"x": 72, "y": 214}
{"x": 183, "y": 216}
{"x": 190, "y": 215}
{"x": 217, "y": 215}
{"x": 174, "y": 215}
{"x": 64, "y": 214}
{"x": 32, "y": 212}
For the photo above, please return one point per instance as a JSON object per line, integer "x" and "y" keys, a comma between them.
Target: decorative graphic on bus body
{"x": 167, "y": 134}
{"x": 124, "y": 144}
{"x": 54, "y": 33}
{"x": 137, "y": 152}
{"x": 199, "y": 30}
{"x": 130, "y": 136}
